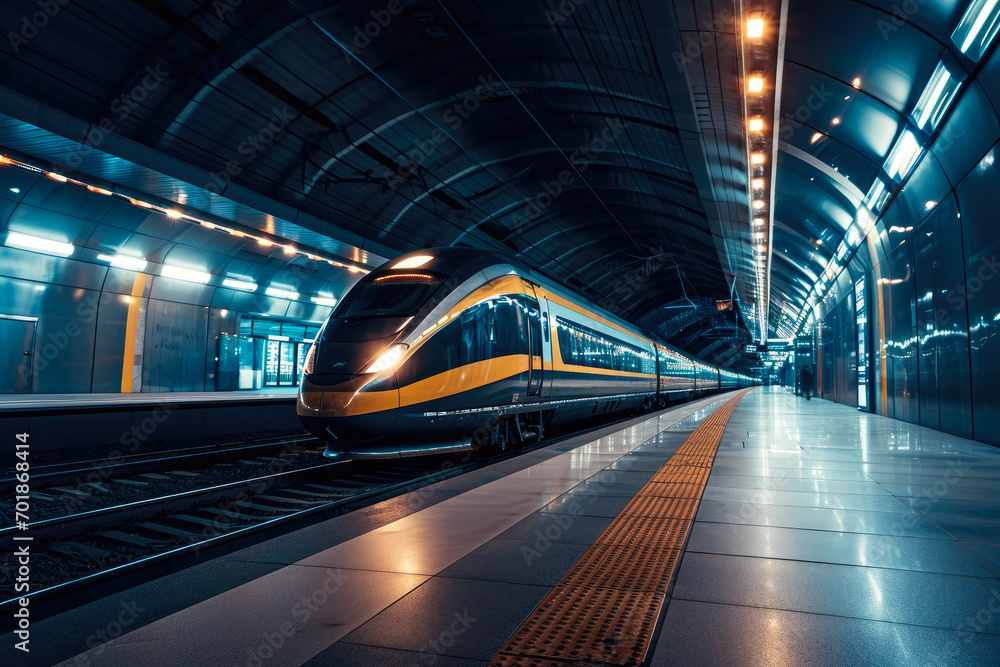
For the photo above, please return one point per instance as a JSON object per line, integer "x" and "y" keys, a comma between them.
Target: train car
{"x": 457, "y": 349}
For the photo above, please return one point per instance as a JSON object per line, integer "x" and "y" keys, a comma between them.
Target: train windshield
{"x": 391, "y": 295}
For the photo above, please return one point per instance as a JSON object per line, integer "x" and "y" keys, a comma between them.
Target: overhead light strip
{"x": 978, "y": 27}
{"x": 177, "y": 214}
{"x": 39, "y": 244}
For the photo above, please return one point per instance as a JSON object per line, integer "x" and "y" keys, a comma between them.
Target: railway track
{"x": 73, "y": 551}
{"x": 81, "y": 472}
{"x": 202, "y": 504}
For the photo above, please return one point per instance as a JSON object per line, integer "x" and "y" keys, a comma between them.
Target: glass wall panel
{"x": 901, "y": 346}
{"x": 977, "y": 202}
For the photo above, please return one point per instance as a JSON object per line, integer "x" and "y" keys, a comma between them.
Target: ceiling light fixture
{"x": 124, "y": 262}
{"x": 282, "y": 292}
{"x": 240, "y": 283}
{"x": 39, "y": 244}
{"x": 937, "y": 97}
{"x": 978, "y": 27}
{"x": 903, "y": 156}
{"x": 180, "y": 273}
{"x": 328, "y": 301}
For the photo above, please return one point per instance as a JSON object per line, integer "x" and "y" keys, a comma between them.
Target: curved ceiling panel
{"x": 604, "y": 143}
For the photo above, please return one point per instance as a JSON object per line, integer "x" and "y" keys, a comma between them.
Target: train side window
{"x": 529, "y": 326}
{"x": 508, "y": 327}
{"x": 475, "y": 335}
{"x": 521, "y": 323}
{"x": 535, "y": 328}
{"x": 441, "y": 353}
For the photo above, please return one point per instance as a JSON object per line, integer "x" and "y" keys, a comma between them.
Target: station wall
{"x": 931, "y": 267}
{"x": 75, "y": 324}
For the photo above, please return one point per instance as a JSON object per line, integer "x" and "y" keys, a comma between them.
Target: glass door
{"x": 272, "y": 356}
{"x": 287, "y": 365}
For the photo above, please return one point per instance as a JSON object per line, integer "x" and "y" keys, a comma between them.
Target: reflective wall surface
{"x": 77, "y": 324}
{"x": 932, "y": 263}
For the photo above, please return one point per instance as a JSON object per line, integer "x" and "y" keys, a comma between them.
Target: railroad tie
{"x": 605, "y": 609}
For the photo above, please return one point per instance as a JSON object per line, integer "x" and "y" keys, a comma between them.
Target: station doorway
{"x": 267, "y": 352}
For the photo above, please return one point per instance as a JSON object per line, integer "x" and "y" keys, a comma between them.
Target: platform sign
{"x": 861, "y": 305}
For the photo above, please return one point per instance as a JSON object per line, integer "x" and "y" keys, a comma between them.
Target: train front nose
{"x": 348, "y": 411}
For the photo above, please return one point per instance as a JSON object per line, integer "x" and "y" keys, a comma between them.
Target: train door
{"x": 660, "y": 368}
{"x": 536, "y": 367}
{"x": 540, "y": 349}
{"x": 546, "y": 346}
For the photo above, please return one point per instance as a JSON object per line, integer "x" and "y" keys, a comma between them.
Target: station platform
{"x": 129, "y": 422}
{"x": 822, "y": 536}
{"x": 49, "y": 402}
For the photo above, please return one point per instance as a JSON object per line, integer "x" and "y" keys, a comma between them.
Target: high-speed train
{"x": 453, "y": 349}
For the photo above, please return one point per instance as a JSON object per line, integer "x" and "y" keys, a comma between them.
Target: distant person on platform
{"x": 806, "y": 380}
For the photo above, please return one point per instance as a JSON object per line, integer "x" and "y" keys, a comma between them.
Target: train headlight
{"x": 388, "y": 359}
{"x": 310, "y": 363}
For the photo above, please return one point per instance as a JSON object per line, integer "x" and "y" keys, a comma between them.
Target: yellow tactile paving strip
{"x": 605, "y": 609}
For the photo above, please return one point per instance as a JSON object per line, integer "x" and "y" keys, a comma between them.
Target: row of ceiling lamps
{"x": 176, "y": 214}
{"x": 757, "y": 134}
{"x": 137, "y": 264}
{"x": 973, "y": 36}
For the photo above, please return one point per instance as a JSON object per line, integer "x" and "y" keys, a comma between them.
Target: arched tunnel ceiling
{"x": 428, "y": 130}
{"x": 853, "y": 73}
{"x": 585, "y": 138}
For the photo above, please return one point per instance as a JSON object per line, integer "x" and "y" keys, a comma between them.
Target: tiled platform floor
{"x": 825, "y": 537}
{"x": 444, "y": 573}
{"x": 831, "y": 537}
